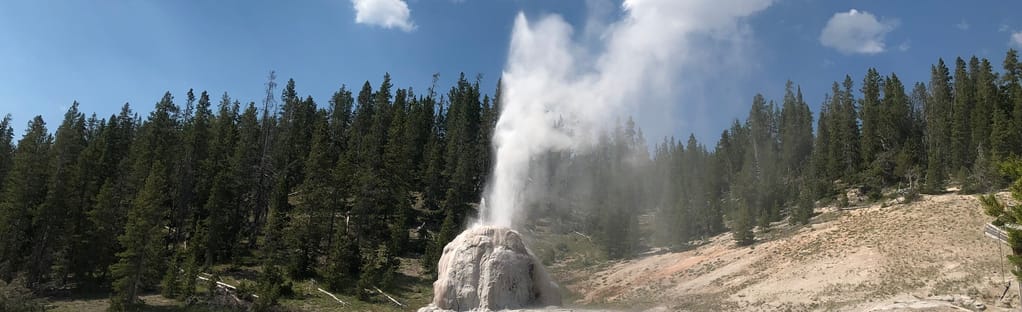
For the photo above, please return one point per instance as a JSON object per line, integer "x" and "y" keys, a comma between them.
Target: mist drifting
{"x": 560, "y": 91}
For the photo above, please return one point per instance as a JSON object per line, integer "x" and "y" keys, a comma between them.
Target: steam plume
{"x": 558, "y": 93}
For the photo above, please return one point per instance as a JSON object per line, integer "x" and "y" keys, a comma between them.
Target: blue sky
{"x": 106, "y": 53}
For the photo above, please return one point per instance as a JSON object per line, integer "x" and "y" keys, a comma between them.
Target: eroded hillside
{"x": 897, "y": 257}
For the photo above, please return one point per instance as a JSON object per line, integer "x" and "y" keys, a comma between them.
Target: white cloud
{"x": 855, "y": 32}
{"x": 1016, "y": 39}
{"x": 963, "y": 25}
{"x": 1004, "y": 27}
{"x": 384, "y": 13}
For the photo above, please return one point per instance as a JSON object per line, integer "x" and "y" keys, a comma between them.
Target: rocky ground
{"x": 928, "y": 255}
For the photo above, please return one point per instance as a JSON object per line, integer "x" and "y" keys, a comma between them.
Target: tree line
{"x": 882, "y": 139}
{"x": 301, "y": 189}
{"x": 339, "y": 191}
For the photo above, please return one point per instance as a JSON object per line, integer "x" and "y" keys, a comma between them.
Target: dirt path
{"x": 875, "y": 258}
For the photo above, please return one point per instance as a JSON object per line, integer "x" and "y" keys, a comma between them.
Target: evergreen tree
{"x": 309, "y": 223}
{"x": 246, "y": 161}
{"x": 795, "y": 139}
{"x": 913, "y": 157}
{"x": 742, "y": 225}
{"x": 1006, "y": 214}
{"x": 987, "y": 101}
{"x": 25, "y": 191}
{"x": 192, "y": 183}
{"x": 64, "y": 199}
{"x": 898, "y": 143}
{"x": 1011, "y": 89}
{"x": 397, "y": 165}
{"x": 820, "y": 160}
{"x": 938, "y": 134}
{"x": 344, "y": 263}
{"x": 871, "y": 113}
{"x": 106, "y": 218}
{"x": 848, "y": 130}
{"x": 6, "y": 149}
{"x": 462, "y": 149}
{"x": 78, "y": 255}
{"x": 142, "y": 254}
{"x": 961, "y": 148}
{"x": 220, "y": 207}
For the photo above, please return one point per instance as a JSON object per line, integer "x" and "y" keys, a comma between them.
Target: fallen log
{"x": 388, "y": 297}
{"x": 222, "y": 284}
{"x": 331, "y": 295}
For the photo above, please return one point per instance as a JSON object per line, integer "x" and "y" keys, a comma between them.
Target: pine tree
{"x": 742, "y": 225}
{"x": 171, "y": 283}
{"x": 309, "y": 223}
{"x": 987, "y": 101}
{"x": 913, "y": 156}
{"x": 795, "y": 136}
{"x": 871, "y": 113}
{"x": 142, "y": 254}
{"x": 802, "y": 210}
{"x": 344, "y": 263}
{"x": 64, "y": 197}
{"x": 25, "y": 191}
{"x": 462, "y": 126}
{"x": 270, "y": 288}
{"x": 274, "y": 242}
{"x": 6, "y": 149}
{"x": 396, "y": 166}
{"x": 938, "y": 135}
{"x": 78, "y": 252}
{"x": 848, "y": 131}
{"x": 106, "y": 218}
{"x": 1011, "y": 88}
{"x": 820, "y": 161}
{"x": 246, "y": 164}
{"x": 961, "y": 147}
{"x": 897, "y": 142}
{"x": 220, "y": 208}
{"x": 192, "y": 182}
{"x": 1008, "y": 214}
{"x": 1001, "y": 136}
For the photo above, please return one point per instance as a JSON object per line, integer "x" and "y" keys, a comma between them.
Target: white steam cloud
{"x": 559, "y": 93}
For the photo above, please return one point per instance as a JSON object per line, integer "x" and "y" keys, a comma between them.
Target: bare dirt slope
{"x": 929, "y": 255}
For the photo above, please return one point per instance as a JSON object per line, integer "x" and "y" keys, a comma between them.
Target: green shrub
{"x": 15, "y": 297}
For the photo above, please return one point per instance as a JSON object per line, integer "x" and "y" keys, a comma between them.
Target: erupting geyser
{"x": 559, "y": 92}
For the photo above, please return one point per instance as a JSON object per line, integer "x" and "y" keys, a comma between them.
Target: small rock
{"x": 966, "y": 302}
{"x": 979, "y": 306}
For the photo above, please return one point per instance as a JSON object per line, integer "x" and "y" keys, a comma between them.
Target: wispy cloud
{"x": 827, "y": 63}
{"x": 1016, "y": 39}
{"x": 904, "y": 46}
{"x": 963, "y": 25}
{"x": 856, "y": 32}
{"x": 384, "y": 13}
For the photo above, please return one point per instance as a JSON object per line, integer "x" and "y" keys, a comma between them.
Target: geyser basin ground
{"x": 489, "y": 268}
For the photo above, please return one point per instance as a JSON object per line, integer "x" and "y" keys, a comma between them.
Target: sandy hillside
{"x": 929, "y": 255}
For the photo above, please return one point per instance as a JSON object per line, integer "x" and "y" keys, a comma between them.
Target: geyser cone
{"x": 489, "y": 268}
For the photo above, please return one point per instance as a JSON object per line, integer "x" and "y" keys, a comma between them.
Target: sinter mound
{"x": 489, "y": 268}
